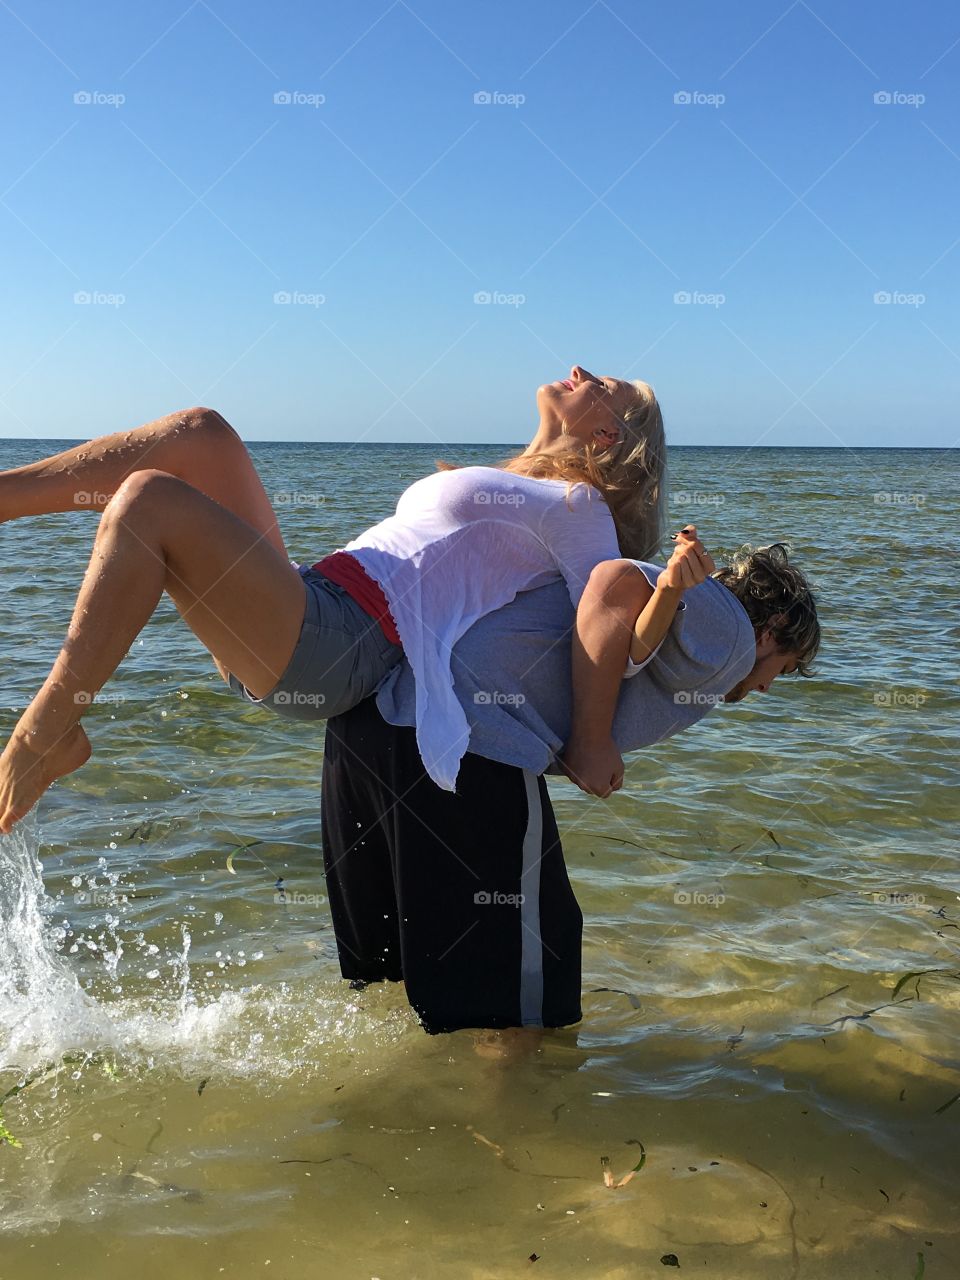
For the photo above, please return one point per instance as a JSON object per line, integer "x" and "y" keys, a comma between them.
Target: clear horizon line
{"x": 506, "y": 444}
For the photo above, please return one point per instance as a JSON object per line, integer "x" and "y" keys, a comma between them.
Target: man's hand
{"x": 689, "y": 565}
{"x": 596, "y": 768}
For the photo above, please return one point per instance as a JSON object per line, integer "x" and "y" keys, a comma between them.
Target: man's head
{"x": 780, "y": 604}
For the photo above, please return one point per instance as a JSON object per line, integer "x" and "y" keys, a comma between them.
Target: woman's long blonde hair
{"x": 630, "y": 475}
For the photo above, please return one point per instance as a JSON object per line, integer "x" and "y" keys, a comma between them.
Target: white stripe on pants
{"x": 531, "y": 953}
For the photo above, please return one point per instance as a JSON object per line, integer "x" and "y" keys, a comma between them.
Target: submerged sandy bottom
{"x": 287, "y": 1126}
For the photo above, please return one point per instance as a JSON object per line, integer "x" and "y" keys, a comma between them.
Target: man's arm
{"x": 615, "y": 594}
{"x": 619, "y": 614}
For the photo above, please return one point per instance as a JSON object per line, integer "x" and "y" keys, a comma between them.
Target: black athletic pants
{"x": 463, "y": 896}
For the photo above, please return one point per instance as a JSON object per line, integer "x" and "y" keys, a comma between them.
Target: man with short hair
{"x": 464, "y": 895}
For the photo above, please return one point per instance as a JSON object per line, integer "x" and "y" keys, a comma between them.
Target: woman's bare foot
{"x": 27, "y": 769}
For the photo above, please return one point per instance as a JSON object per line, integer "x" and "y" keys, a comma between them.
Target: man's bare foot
{"x": 26, "y": 771}
{"x": 512, "y": 1044}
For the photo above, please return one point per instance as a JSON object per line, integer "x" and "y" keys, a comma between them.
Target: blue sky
{"x": 584, "y": 199}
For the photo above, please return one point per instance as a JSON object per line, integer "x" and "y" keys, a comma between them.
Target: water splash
{"x": 44, "y": 1011}
{"x": 263, "y": 1030}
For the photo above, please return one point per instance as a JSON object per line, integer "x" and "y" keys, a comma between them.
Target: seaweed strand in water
{"x": 918, "y": 974}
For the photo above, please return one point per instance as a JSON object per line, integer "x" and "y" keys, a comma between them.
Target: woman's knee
{"x": 206, "y": 425}
{"x": 142, "y": 490}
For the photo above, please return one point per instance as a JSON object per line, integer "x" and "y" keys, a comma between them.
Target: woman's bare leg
{"x": 197, "y": 445}
{"x": 237, "y": 592}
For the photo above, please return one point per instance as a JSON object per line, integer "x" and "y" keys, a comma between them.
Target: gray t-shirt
{"x": 512, "y": 675}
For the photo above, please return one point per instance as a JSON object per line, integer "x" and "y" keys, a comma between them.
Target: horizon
{"x": 519, "y": 444}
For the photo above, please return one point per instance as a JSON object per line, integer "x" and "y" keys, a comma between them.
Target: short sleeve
{"x": 634, "y": 667}
{"x": 651, "y": 572}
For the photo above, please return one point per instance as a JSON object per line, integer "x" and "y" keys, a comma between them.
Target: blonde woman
{"x": 185, "y": 512}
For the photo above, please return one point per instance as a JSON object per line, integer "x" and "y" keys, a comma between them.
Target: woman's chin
{"x": 551, "y": 403}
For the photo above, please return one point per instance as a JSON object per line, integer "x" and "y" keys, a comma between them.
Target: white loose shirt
{"x": 462, "y": 544}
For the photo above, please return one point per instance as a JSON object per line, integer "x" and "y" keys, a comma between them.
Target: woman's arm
{"x": 689, "y": 565}
{"x": 619, "y": 614}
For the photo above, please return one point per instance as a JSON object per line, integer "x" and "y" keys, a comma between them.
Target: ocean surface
{"x": 771, "y": 947}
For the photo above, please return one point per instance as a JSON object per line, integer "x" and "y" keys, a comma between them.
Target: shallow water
{"x": 203, "y": 1095}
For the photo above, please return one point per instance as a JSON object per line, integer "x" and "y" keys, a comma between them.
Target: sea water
{"x": 771, "y": 968}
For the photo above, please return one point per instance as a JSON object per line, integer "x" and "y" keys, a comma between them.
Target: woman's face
{"x": 591, "y": 408}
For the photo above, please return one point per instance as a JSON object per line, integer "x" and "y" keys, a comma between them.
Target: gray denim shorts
{"x": 339, "y": 659}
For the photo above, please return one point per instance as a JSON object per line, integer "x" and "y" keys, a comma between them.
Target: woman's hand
{"x": 689, "y": 565}
{"x": 596, "y": 768}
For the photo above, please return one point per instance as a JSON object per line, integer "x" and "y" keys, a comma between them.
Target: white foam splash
{"x": 43, "y": 1008}
{"x": 260, "y": 1030}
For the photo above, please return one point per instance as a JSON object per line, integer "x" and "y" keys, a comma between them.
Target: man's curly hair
{"x": 777, "y": 598}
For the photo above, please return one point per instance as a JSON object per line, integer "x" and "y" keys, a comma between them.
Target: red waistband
{"x": 347, "y": 572}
